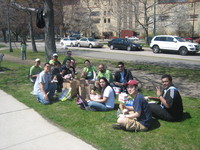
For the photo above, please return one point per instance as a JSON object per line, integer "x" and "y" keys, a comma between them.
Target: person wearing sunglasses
{"x": 122, "y": 76}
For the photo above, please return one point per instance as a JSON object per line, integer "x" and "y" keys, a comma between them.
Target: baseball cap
{"x": 132, "y": 82}
{"x": 37, "y": 59}
{"x": 55, "y": 54}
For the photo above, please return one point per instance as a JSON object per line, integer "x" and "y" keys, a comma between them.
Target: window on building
{"x": 104, "y": 13}
{"x": 175, "y": 1}
{"x": 108, "y": 13}
{"x": 105, "y": 20}
{"x": 108, "y": 20}
{"x": 163, "y": 18}
{"x": 193, "y": 16}
{"x": 95, "y": 13}
{"x": 96, "y": 20}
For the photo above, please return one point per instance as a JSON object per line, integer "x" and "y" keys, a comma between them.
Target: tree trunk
{"x": 31, "y": 34}
{"x": 50, "y": 46}
{"x": 4, "y": 35}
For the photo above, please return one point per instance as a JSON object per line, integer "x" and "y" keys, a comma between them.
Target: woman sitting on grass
{"x": 107, "y": 99}
{"x": 89, "y": 71}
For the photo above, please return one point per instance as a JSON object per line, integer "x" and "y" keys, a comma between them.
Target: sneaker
{"x": 32, "y": 93}
{"x": 38, "y": 99}
{"x": 117, "y": 126}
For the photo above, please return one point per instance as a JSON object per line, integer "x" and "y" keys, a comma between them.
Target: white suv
{"x": 173, "y": 43}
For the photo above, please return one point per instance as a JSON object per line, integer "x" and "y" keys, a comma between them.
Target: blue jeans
{"x": 98, "y": 106}
{"x": 23, "y": 55}
{"x": 51, "y": 91}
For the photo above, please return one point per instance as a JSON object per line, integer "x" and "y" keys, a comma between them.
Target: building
{"x": 106, "y": 18}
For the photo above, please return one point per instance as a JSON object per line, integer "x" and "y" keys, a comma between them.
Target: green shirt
{"x": 64, "y": 61}
{"x": 35, "y": 70}
{"x": 107, "y": 74}
{"x": 89, "y": 72}
{"x": 23, "y": 47}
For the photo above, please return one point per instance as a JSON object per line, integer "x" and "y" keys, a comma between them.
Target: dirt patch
{"x": 147, "y": 80}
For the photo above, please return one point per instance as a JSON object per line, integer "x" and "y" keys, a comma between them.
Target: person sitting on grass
{"x": 67, "y": 71}
{"x": 139, "y": 119}
{"x": 103, "y": 72}
{"x": 35, "y": 70}
{"x": 69, "y": 56}
{"x": 44, "y": 88}
{"x": 56, "y": 75}
{"x": 89, "y": 71}
{"x": 122, "y": 76}
{"x": 54, "y": 59}
{"x": 170, "y": 107}
{"x": 107, "y": 99}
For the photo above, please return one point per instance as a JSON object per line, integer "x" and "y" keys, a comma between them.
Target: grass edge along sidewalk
{"x": 95, "y": 127}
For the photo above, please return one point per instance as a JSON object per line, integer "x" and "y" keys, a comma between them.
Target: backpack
{"x": 82, "y": 103}
{"x": 40, "y": 19}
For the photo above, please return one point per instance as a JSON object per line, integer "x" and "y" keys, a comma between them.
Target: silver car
{"x": 68, "y": 42}
{"x": 89, "y": 42}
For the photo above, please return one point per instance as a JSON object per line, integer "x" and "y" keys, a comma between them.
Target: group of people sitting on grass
{"x": 135, "y": 114}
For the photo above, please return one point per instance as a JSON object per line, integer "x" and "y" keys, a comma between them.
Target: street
{"x": 144, "y": 57}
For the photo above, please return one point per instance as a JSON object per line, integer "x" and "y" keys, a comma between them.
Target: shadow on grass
{"x": 154, "y": 124}
{"x": 186, "y": 116}
{"x": 3, "y": 69}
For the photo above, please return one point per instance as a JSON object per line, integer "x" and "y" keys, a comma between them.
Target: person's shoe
{"x": 117, "y": 126}
{"x": 37, "y": 99}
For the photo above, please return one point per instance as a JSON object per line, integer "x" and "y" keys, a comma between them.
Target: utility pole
{"x": 194, "y": 2}
{"x": 8, "y": 23}
{"x": 154, "y": 16}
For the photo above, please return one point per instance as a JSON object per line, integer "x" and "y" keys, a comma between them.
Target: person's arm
{"x": 161, "y": 98}
{"x": 43, "y": 91}
{"x": 103, "y": 100}
{"x": 72, "y": 71}
{"x": 132, "y": 115}
{"x": 84, "y": 73}
{"x": 119, "y": 84}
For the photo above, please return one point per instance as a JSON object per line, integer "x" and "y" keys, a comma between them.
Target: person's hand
{"x": 125, "y": 111}
{"x": 71, "y": 69}
{"x": 123, "y": 84}
{"x": 121, "y": 116}
{"x": 158, "y": 92}
{"x": 46, "y": 97}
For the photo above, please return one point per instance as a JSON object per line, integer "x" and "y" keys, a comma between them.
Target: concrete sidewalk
{"x": 22, "y": 128}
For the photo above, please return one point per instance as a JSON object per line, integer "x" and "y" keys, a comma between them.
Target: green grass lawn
{"x": 95, "y": 127}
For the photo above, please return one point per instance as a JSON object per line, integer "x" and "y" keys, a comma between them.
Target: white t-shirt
{"x": 108, "y": 92}
{"x": 43, "y": 77}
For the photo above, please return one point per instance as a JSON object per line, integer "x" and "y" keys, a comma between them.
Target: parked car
{"x": 134, "y": 38}
{"x": 89, "y": 42}
{"x": 77, "y": 36}
{"x": 64, "y": 42}
{"x": 173, "y": 43}
{"x": 123, "y": 43}
{"x": 188, "y": 39}
{"x": 197, "y": 40}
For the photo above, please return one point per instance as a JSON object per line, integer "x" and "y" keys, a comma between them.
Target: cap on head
{"x": 36, "y": 60}
{"x": 55, "y": 54}
{"x": 132, "y": 82}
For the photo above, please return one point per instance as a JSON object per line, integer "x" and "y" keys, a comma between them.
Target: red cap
{"x": 132, "y": 82}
